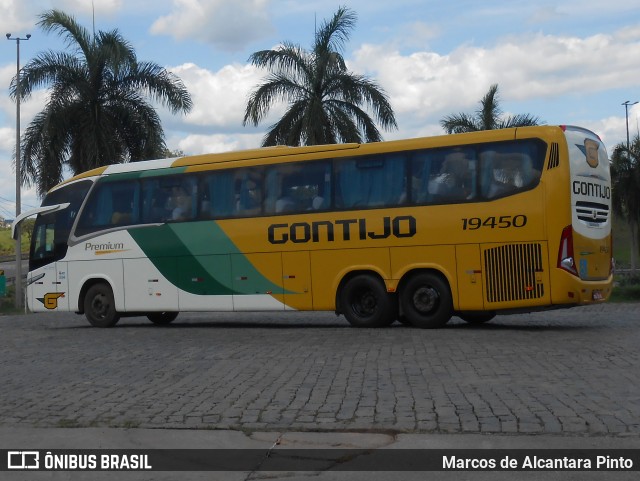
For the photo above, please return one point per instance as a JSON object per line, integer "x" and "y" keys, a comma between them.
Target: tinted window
{"x": 169, "y": 198}
{"x": 298, "y": 187}
{"x": 510, "y": 167}
{"x": 111, "y": 204}
{"x": 373, "y": 181}
{"x": 443, "y": 175}
{"x": 51, "y": 231}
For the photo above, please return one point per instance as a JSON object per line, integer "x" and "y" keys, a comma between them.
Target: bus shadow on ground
{"x": 340, "y": 323}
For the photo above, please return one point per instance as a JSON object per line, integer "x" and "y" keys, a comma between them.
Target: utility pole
{"x": 18, "y": 282}
{"x": 626, "y": 104}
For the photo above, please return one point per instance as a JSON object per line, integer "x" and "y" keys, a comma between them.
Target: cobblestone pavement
{"x": 564, "y": 372}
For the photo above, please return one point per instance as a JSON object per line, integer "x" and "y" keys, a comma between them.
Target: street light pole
{"x": 18, "y": 281}
{"x": 626, "y": 104}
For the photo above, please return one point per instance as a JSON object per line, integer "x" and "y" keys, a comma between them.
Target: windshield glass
{"x": 51, "y": 231}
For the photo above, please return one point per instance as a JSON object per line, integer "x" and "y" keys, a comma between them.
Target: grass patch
{"x": 626, "y": 294}
{"x": 627, "y": 289}
{"x": 7, "y": 303}
{"x": 8, "y": 245}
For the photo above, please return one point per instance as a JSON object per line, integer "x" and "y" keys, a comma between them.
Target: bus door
{"x": 48, "y": 288}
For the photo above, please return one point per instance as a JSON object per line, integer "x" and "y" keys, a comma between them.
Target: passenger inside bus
{"x": 181, "y": 201}
{"x": 511, "y": 172}
{"x": 250, "y": 195}
{"x": 122, "y": 211}
{"x": 453, "y": 181}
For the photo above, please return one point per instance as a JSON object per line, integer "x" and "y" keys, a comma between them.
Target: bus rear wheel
{"x": 100, "y": 306}
{"x": 426, "y": 301}
{"x": 162, "y": 318}
{"x": 365, "y": 302}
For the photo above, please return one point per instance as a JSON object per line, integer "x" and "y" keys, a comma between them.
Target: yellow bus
{"x": 412, "y": 230}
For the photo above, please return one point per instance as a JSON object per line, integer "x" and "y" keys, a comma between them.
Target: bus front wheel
{"x": 365, "y": 302}
{"x": 100, "y": 307}
{"x": 426, "y": 301}
{"x": 162, "y": 318}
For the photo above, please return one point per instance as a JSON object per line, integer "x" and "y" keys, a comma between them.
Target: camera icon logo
{"x": 23, "y": 460}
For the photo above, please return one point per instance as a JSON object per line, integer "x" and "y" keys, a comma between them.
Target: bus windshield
{"x": 51, "y": 230}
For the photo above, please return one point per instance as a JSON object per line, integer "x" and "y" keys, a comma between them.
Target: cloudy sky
{"x": 569, "y": 62}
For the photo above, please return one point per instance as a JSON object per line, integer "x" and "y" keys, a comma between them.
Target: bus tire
{"x": 426, "y": 300}
{"x": 162, "y": 318}
{"x": 476, "y": 317}
{"x": 365, "y": 302}
{"x": 100, "y": 306}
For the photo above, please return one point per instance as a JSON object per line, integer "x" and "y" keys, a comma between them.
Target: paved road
{"x": 569, "y": 372}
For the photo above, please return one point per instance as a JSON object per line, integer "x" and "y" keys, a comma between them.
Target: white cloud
{"x": 201, "y": 144}
{"x": 17, "y": 17}
{"x": 88, "y": 7}
{"x": 543, "y": 66}
{"x": 424, "y": 86}
{"x": 227, "y": 24}
{"x": 220, "y": 97}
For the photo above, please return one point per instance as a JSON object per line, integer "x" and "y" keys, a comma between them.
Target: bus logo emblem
{"x": 591, "y": 152}
{"x": 50, "y": 299}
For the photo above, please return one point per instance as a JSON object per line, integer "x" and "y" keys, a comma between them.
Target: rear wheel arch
{"x": 85, "y": 288}
{"x": 426, "y": 298}
{"x": 347, "y": 277}
{"x": 362, "y": 297}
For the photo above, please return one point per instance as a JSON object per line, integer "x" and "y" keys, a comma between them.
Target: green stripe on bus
{"x": 203, "y": 254}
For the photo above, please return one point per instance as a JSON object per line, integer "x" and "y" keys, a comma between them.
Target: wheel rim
{"x": 100, "y": 306}
{"x": 425, "y": 299}
{"x": 365, "y": 303}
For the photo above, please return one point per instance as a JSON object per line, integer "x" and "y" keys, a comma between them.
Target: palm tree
{"x": 324, "y": 98}
{"x": 488, "y": 117}
{"x": 97, "y": 112}
{"x": 625, "y": 177}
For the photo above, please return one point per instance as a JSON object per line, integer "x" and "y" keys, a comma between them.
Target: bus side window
{"x": 112, "y": 204}
{"x": 375, "y": 181}
{"x": 155, "y": 201}
{"x": 219, "y": 195}
{"x": 297, "y": 187}
{"x": 510, "y": 168}
{"x": 183, "y": 199}
{"x": 445, "y": 176}
{"x": 249, "y": 192}
{"x": 124, "y": 199}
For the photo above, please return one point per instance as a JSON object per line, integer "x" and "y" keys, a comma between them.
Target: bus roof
{"x": 272, "y": 153}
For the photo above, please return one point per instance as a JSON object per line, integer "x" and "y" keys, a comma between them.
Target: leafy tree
{"x": 325, "y": 99}
{"x": 625, "y": 176}
{"x": 169, "y": 154}
{"x": 97, "y": 112}
{"x": 487, "y": 117}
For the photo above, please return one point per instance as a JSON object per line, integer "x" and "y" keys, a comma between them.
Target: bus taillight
{"x": 565, "y": 252}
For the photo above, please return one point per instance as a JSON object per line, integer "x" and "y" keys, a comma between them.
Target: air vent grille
{"x": 511, "y": 272}
{"x": 554, "y": 156}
